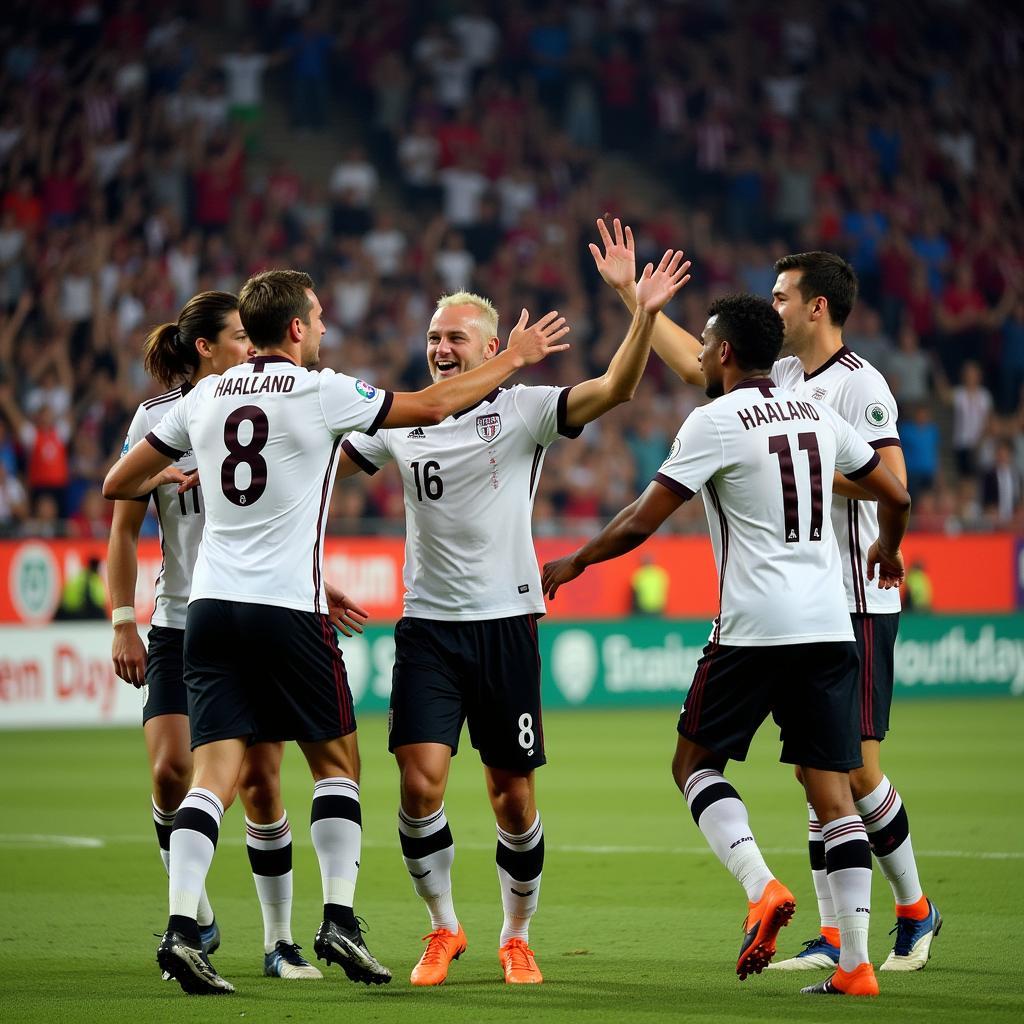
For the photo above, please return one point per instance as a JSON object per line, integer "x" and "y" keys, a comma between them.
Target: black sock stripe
{"x": 523, "y": 840}
{"x": 522, "y": 865}
{"x": 335, "y": 807}
{"x": 891, "y": 837}
{"x": 270, "y": 862}
{"x": 853, "y": 854}
{"x": 163, "y": 835}
{"x": 429, "y": 820}
{"x": 418, "y": 847}
{"x": 816, "y": 849}
{"x": 197, "y": 821}
{"x": 711, "y": 795}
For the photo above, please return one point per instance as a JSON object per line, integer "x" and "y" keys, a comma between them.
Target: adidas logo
{"x": 418, "y": 432}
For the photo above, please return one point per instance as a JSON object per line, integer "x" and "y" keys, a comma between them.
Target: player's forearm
{"x": 122, "y": 566}
{"x": 893, "y": 519}
{"x": 846, "y": 488}
{"x": 624, "y": 533}
{"x": 630, "y": 359}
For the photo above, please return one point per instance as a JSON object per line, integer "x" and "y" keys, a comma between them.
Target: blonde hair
{"x": 487, "y": 315}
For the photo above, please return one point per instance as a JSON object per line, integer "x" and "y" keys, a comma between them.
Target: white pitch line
{"x": 96, "y": 842}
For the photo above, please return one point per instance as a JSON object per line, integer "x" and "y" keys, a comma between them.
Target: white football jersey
{"x": 180, "y": 516}
{"x": 469, "y": 486}
{"x": 266, "y": 436}
{"x": 859, "y": 393}
{"x": 763, "y": 459}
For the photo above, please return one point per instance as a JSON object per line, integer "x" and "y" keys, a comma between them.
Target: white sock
{"x": 722, "y": 816}
{"x": 888, "y": 831}
{"x": 336, "y": 827}
{"x": 270, "y": 857}
{"x": 822, "y": 890}
{"x": 848, "y": 860}
{"x": 520, "y": 860}
{"x": 429, "y": 852}
{"x": 164, "y": 821}
{"x": 193, "y": 841}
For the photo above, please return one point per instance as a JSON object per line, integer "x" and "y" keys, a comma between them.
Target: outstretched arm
{"x": 618, "y": 384}
{"x": 676, "y": 347}
{"x": 526, "y": 345}
{"x": 628, "y": 530}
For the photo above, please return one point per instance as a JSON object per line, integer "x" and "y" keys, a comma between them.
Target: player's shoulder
{"x": 787, "y": 371}
{"x": 158, "y": 405}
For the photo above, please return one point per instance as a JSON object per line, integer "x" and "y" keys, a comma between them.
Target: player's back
{"x": 858, "y": 392}
{"x": 765, "y": 459}
{"x": 265, "y": 436}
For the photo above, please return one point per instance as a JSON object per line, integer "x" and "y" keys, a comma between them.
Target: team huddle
{"x": 798, "y": 463}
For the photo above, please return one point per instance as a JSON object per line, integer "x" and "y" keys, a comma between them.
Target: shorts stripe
{"x": 695, "y": 698}
{"x": 344, "y": 709}
{"x": 856, "y": 563}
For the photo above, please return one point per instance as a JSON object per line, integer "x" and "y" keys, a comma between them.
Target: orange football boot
{"x": 443, "y": 947}
{"x": 517, "y": 961}
{"x": 771, "y": 912}
{"x": 860, "y": 981}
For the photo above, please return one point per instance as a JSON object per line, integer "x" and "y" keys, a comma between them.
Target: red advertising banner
{"x": 968, "y": 574}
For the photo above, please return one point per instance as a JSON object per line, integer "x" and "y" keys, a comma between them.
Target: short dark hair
{"x": 269, "y": 301}
{"x": 825, "y": 274}
{"x": 752, "y": 328}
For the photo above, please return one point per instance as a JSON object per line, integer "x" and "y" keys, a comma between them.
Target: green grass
{"x": 637, "y": 920}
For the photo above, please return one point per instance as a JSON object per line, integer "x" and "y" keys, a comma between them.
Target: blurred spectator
{"x": 972, "y": 409}
{"x": 917, "y": 589}
{"x": 84, "y": 596}
{"x": 1001, "y": 487}
{"x": 919, "y": 435}
{"x": 649, "y": 584}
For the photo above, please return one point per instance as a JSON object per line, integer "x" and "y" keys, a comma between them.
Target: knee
{"x": 171, "y": 778}
{"x": 798, "y": 774}
{"x": 513, "y": 809}
{"x": 260, "y": 793}
{"x": 422, "y": 790}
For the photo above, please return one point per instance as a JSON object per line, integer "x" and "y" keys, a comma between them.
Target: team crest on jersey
{"x": 368, "y": 391}
{"x": 488, "y": 427}
{"x": 818, "y": 394}
{"x": 674, "y": 450}
{"x": 124, "y": 449}
{"x": 877, "y": 414}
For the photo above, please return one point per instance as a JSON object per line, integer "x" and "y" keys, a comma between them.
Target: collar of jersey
{"x": 843, "y": 350}
{"x": 259, "y": 362}
{"x": 754, "y": 382}
{"x": 469, "y": 408}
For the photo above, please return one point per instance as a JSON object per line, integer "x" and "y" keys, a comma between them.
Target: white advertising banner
{"x": 61, "y": 675}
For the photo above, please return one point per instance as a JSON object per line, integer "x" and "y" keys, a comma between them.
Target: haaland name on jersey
{"x": 255, "y": 385}
{"x": 775, "y": 412}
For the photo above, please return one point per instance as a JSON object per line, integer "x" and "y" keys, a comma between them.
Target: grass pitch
{"x": 637, "y": 920}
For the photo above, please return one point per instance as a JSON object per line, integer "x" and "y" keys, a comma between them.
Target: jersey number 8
{"x": 245, "y": 454}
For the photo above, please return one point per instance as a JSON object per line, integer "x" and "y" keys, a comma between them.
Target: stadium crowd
{"x": 478, "y": 143}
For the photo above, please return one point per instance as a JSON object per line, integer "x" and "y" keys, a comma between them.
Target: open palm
{"x": 657, "y": 286}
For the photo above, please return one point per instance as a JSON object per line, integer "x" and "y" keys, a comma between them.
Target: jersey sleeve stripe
{"x": 563, "y": 415}
{"x": 358, "y": 458}
{"x": 382, "y": 413}
{"x": 674, "y": 486}
{"x": 162, "y": 448}
{"x": 865, "y": 469}
{"x": 886, "y": 442}
{"x": 325, "y": 491}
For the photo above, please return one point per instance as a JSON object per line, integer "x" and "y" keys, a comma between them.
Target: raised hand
{"x": 556, "y": 573}
{"x": 532, "y": 344}
{"x": 617, "y": 264}
{"x": 656, "y": 287}
{"x": 343, "y": 612}
{"x": 890, "y": 568}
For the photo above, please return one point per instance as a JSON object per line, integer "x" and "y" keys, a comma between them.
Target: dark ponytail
{"x": 170, "y": 351}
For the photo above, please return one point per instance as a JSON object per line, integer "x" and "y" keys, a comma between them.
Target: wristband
{"x": 126, "y": 613}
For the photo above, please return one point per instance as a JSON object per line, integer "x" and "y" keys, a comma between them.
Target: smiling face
{"x": 798, "y": 316}
{"x": 457, "y": 341}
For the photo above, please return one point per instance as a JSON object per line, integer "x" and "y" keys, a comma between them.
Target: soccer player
{"x": 814, "y": 294}
{"x": 466, "y": 647}
{"x": 763, "y": 459}
{"x": 261, "y": 660}
{"x": 207, "y": 338}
